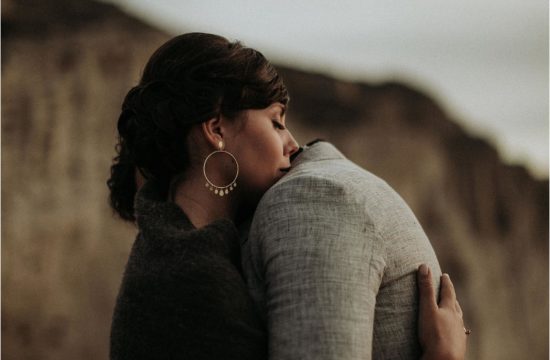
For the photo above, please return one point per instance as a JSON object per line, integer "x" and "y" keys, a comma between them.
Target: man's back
{"x": 330, "y": 261}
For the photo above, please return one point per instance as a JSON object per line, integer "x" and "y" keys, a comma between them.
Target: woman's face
{"x": 262, "y": 145}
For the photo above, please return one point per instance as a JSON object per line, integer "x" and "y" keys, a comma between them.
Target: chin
{"x": 277, "y": 177}
{"x": 271, "y": 183}
{"x": 254, "y": 192}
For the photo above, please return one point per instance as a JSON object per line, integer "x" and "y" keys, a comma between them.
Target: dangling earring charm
{"x": 225, "y": 189}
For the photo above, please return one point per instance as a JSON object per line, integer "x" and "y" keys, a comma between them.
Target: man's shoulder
{"x": 332, "y": 172}
{"x": 326, "y": 177}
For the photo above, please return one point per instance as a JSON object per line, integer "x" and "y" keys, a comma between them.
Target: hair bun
{"x": 190, "y": 79}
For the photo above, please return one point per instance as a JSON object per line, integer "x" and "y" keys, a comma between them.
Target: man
{"x": 331, "y": 262}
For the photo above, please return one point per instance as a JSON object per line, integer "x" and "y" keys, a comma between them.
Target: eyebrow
{"x": 282, "y": 108}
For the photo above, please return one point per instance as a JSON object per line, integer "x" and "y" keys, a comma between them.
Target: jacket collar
{"x": 317, "y": 151}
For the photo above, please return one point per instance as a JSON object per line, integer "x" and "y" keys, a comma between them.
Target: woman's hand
{"x": 440, "y": 326}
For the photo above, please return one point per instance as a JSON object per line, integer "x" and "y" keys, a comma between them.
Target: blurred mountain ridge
{"x": 66, "y": 67}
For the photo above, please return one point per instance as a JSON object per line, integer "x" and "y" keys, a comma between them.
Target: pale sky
{"x": 486, "y": 62}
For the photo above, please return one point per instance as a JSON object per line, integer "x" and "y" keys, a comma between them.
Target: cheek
{"x": 259, "y": 153}
{"x": 259, "y": 171}
{"x": 263, "y": 150}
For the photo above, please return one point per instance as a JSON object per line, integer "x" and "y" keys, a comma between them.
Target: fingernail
{"x": 424, "y": 270}
{"x": 447, "y": 276}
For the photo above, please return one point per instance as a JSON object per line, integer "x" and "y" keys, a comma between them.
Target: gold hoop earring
{"x": 225, "y": 189}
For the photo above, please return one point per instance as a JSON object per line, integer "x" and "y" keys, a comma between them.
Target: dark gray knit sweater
{"x": 182, "y": 294}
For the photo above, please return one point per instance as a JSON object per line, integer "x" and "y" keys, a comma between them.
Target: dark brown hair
{"x": 190, "y": 79}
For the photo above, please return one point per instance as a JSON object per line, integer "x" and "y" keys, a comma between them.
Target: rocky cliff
{"x": 66, "y": 66}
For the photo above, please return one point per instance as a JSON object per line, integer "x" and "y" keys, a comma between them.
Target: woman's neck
{"x": 200, "y": 204}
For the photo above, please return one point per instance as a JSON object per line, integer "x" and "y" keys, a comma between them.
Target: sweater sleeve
{"x": 322, "y": 263}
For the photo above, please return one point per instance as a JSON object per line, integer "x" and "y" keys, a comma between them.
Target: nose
{"x": 291, "y": 145}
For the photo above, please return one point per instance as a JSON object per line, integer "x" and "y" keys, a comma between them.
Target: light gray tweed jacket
{"x": 330, "y": 262}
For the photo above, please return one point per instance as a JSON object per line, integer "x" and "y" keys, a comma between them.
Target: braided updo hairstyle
{"x": 190, "y": 79}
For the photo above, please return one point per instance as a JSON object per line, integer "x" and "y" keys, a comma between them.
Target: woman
{"x": 205, "y": 129}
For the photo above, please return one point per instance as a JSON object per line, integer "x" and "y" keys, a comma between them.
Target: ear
{"x": 213, "y": 132}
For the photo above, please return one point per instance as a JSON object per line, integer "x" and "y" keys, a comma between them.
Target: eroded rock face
{"x": 65, "y": 71}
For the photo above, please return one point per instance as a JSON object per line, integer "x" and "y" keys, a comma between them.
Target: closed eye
{"x": 278, "y": 125}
